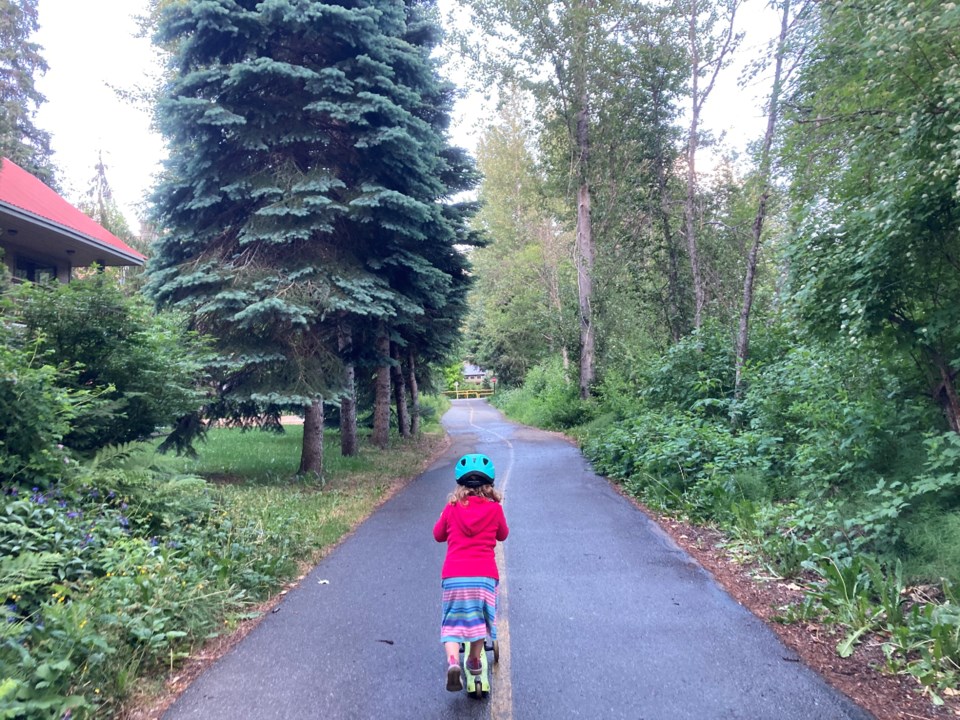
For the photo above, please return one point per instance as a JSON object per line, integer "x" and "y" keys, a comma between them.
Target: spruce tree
{"x": 20, "y": 62}
{"x": 303, "y": 198}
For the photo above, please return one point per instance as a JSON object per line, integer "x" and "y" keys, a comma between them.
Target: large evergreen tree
{"x": 20, "y": 62}
{"x": 303, "y": 200}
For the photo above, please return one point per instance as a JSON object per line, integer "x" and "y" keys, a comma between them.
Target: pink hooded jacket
{"x": 471, "y": 532}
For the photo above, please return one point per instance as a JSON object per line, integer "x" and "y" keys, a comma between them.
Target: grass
{"x": 254, "y": 474}
{"x": 125, "y": 565}
{"x": 260, "y": 457}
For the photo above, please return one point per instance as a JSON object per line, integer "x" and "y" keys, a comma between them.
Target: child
{"x": 471, "y": 524}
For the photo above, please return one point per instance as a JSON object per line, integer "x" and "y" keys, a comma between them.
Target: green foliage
{"x": 694, "y": 373}
{"x": 36, "y": 412}
{"x": 522, "y": 306}
{"x": 432, "y": 408}
{"x": 452, "y": 374}
{"x": 839, "y": 416}
{"x": 142, "y": 369}
{"x": 875, "y": 200}
{"x": 117, "y": 574}
{"x": 829, "y": 472}
{"x": 549, "y": 398}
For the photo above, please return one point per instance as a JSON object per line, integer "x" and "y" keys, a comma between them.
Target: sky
{"x": 91, "y": 47}
{"x": 92, "y": 51}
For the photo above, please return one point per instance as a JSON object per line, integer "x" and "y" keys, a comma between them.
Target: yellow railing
{"x": 463, "y": 394}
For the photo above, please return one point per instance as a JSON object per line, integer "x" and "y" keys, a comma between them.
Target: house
{"x": 473, "y": 373}
{"x": 42, "y": 236}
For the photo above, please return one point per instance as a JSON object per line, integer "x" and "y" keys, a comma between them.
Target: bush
{"x": 695, "y": 372}
{"x": 36, "y": 411}
{"x": 143, "y": 368}
{"x": 680, "y": 461}
{"x": 841, "y": 419}
{"x": 549, "y": 398}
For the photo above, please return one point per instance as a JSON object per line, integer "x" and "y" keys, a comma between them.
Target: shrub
{"x": 696, "y": 370}
{"x": 549, "y": 398}
{"x": 35, "y": 414}
{"x": 143, "y": 367}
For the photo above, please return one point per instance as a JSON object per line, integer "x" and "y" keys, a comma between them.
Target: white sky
{"x": 91, "y": 48}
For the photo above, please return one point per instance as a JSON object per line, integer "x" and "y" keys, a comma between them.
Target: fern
{"x": 20, "y": 573}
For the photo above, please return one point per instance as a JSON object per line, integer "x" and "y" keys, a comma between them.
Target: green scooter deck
{"x": 477, "y": 685}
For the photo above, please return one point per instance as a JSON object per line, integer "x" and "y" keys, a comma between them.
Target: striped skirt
{"x": 469, "y": 609}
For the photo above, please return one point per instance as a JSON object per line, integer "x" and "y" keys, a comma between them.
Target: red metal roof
{"x": 22, "y": 190}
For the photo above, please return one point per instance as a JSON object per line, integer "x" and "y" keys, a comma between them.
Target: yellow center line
{"x": 501, "y": 704}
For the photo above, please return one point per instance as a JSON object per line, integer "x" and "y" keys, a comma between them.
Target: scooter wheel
{"x": 496, "y": 651}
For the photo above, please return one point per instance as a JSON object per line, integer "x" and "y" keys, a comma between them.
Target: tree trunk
{"x": 311, "y": 455}
{"x": 414, "y": 392}
{"x": 946, "y": 393}
{"x": 585, "y": 250}
{"x": 698, "y": 98}
{"x": 381, "y": 403}
{"x": 348, "y": 402}
{"x": 400, "y": 393}
{"x": 689, "y": 214}
{"x": 743, "y": 333}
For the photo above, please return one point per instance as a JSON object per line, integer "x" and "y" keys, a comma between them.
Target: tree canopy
{"x": 309, "y": 188}
{"x": 21, "y": 61}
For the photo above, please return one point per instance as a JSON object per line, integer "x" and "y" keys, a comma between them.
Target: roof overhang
{"x": 35, "y": 235}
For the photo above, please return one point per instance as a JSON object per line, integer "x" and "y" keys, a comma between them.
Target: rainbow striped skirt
{"x": 469, "y": 609}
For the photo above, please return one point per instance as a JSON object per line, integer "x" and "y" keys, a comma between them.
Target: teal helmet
{"x": 475, "y": 470}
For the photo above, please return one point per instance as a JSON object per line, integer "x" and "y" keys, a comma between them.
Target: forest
{"x": 759, "y": 334}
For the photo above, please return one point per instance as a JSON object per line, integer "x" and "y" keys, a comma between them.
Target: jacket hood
{"x": 476, "y": 515}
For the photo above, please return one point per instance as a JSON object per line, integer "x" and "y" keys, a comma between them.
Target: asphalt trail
{"x": 602, "y": 616}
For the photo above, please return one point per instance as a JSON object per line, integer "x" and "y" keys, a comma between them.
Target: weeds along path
{"x": 602, "y": 615}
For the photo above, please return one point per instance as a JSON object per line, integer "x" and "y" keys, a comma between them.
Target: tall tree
{"x": 521, "y": 311}
{"x": 561, "y": 36}
{"x": 306, "y": 186}
{"x": 875, "y": 154}
{"x": 20, "y": 62}
{"x": 710, "y": 51}
{"x": 764, "y": 175}
{"x": 573, "y": 55}
{"x": 98, "y": 202}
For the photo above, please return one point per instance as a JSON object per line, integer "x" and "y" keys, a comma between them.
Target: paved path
{"x": 602, "y": 616}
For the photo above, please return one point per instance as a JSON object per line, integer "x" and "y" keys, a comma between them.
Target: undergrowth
{"x": 124, "y": 567}
{"x": 830, "y": 471}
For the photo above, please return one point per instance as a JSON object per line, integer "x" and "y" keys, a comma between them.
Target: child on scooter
{"x": 471, "y": 524}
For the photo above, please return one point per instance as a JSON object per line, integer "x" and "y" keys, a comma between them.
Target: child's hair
{"x": 462, "y": 492}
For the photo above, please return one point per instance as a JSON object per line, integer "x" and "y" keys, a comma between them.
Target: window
{"x": 34, "y": 271}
